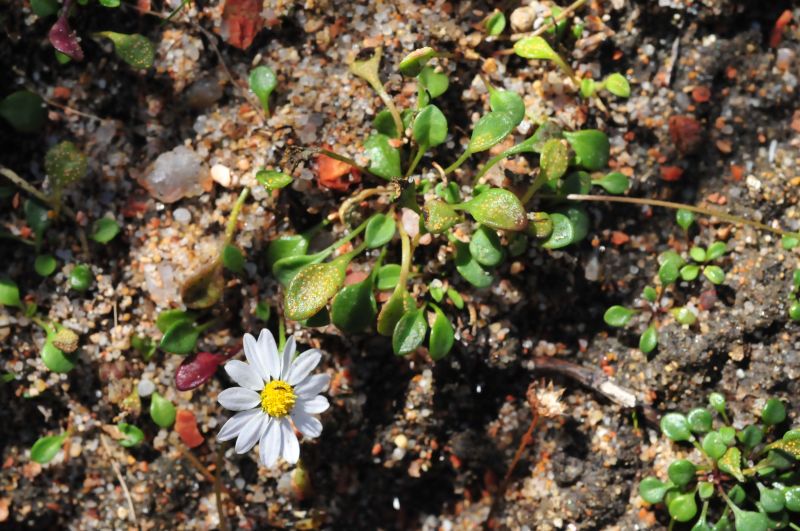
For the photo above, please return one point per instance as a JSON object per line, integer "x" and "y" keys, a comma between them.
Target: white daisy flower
{"x": 276, "y": 393}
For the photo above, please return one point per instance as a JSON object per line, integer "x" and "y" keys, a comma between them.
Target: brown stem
{"x": 223, "y": 521}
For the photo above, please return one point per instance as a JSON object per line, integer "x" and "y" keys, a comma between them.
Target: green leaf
{"x": 731, "y": 463}
{"x": 714, "y": 446}
{"x": 670, "y": 263}
{"x": 65, "y": 164}
{"x": 751, "y": 436}
{"x": 613, "y": 183}
{"x": 728, "y": 435}
{"x": 204, "y": 288}
{"x": 144, "y": 346}
{"x": 430, "y": 127}
{"x": 81, "y": 278}
{"x": 54, "y": 359}
{"x": 792, "y": 497}
{"x": 684, "y": 218}
{"x": 652, "y": 490}
{"x": 698, "y": 254}
{"x": 789, "y": 241}
{"x": 162, "y": 411}
{"x": 45, "y": 8}
{"x": 109, "y": 3}
{"x": 434, "y": 82}
{"x": 9, "y": 293}
{"x": 676, "y": 427}
{"x": 534, "y": 48}
{"x": 133, "y": 435}
{"x": 37, "y": 217}
{"x": 233, "y": 259}
{"x": 262, "y": 82}
{"x": 180, "y": 338}
{"x": 774, "y": 412}
{"x": 648, "y": 341}
{"x": 455, "y": 298}
{"x": 263, "y": 311}
{"x": 715, "y": 250}
{"x": 485, "y": 247}
{"x": 168, "y": 318}
{"x": 409, "y": 333}
{"x": 412, "y": 64}
{"x": 591, "y": 148}
{"x": 498, "y": 208}
{"x": 684, "y": 315}
{"x": 495, "y": 23}
{"x": 354, "y": 308}
{"x": 617, "y": 85}
{"x": 490, "y": 130}
{"x": 469, "y": 268}
{"x": 699, "y": 420}
{"x": 554, "y": 159}
{"x": 439, "y": 216}
{"x": 569, "y": 226}
{"x": 683, "y": 508}
{"x": 384, "y": 123}
{"x": 384, "y": 159}
{"x": 618, "y": 316}
{"x": 450, "y": 192}
{"x": 442, "y": 336}
{"x": 393, "y": 310}
{"x": 587, "y": 88}
{"x": 380, "y": 231}
{"x": 705, "y": 489}
{"x": 273, "y": 179}
{"x": 436, "y": 291}
{"x": 717, "y": 401}
{"x": 134, "y": 49}
{"x": 24, "y": 110}
{"x": 507, "y": 101}
{"x": 104, "y": 230}
{"x": 311, "y": 289}
{"x": 388, "y": 276}
{"x": 318, "y": 320}
{"x": 749, "y": 520}
{"x": 576, "y": 182}
{"x": 46, "y": 448}
{"x": 681, "y": 472}
{"x": 714, "y": 274}
{"x": 649, "y": 294}
{"x": 285, "y": 246}
{"x": 690, "y": 272}
{"x": 44, "y": 265}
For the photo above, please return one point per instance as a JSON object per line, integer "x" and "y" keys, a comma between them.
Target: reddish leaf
{"x": 777, "y": 30}
{"x": 186, "y": 426}
{"x": 63, "y": 38}
{"x": 241, "y": 22}
{"x": 335, "y": 174}
{"x": 196, "y": 370}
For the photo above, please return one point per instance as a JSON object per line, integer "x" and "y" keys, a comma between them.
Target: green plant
{"x": 794, "y": 304}
{"x": 749, "y": 474}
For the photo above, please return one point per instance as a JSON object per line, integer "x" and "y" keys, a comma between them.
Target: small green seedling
{"x": 136, "y": 50}
{"x": 747, "y": 474}
{"x": 263, "y": 82}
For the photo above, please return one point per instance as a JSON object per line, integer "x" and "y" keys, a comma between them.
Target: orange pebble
{"x": 671, "y": 173}
{"x": 701, "y": 94}
{"x": 186, "y": 426}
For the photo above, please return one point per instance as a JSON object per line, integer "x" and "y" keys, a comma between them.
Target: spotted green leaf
{"x": 499, "y": 209}
{"x": 136, "y": 50}
{"x": 313, "y": 286}
{"x": 534, "y": 48}
{"x": 490, "y": 130}
{"x": 554, "y": 159}
{"x": 439, "y": 216}
{"x": 65, "y": 164}
{"x": 731, "y": 463}
{"x": 273, "y": 179}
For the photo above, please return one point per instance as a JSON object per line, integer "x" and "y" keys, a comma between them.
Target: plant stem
{"x": 420, "y": 151}
{"x": 387, "y": 100}
{"x": 38, "y": 194}
{"x": 349, "y": 236}
{"x": 405, "y": 262}
{"x": 230, "y": 228}
{"x": 223, "y": 522}
{"x": 346, "y": 160}
{"x": 360, "y": 196}
{"x": 281, "y": 334}
{"x": 537, "y": 183}
{"x": 205, "y": 326}
{"x": 679, "y": 206}
{"x": 458, "y": 162}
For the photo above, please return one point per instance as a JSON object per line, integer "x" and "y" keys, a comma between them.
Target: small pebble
{"x": 146, "y": 388}
{"x": 221, "y": 175}
{"x": 182, "y": 215}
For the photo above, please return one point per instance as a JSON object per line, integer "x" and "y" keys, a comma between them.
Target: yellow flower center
{"x": 277, "y": 398}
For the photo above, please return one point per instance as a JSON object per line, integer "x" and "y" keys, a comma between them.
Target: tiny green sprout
{"x": 495, "y": 23}
{"x": 613, "y": 183}
{"x": 617, "y": 85}
{"x": 684, "y": 315}
{"x": 162, "y": 411}
{"x": 618, "y": 316}
{"x": 774, "y": 412}
{"x": 789, "y": 241}
{"x": 455, "y": 297}
{"x": 233, "y": 259}
{"x": 132, "y": 435}
{"x": 65, "y": 164}
{"x": 9, "y": 293}
{"x": 104, "y": 230}
{"x": 263, "y": 82}
{"x": 442, "y": 335}
{"x": 676, "y": 427}
{"x": 24, "y": 111}
{"x": 81, "y": 277}
{"x": 46, "y": 448}
{"x": 650, "y": 294}
{"x": 136, "y": 50}
{"x": 368, "y": 71}
{"x": 273, "y": 179}
{"x": 412, "y": 64}
{"x": 648, "y": 341}
{"x": 684, "y": 218}
{"x": 469, "y": 268}
{"x": 587, "y": 88}
{"x": 698, "y": 254}
{"x": 45, "y": 265}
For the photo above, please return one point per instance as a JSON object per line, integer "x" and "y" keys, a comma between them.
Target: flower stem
{"x": 360, "y": 196}
{"x": 713, "y": 212}
{"x": 346, "y": 160}
{"x": 415, "y": 161}
{"x": 405, "y": 262}
{"x": 38, "y": 194}
{"x": 458, "y": 162}
{"x": 537, "y": 183}
{"x": 230, "y": 229}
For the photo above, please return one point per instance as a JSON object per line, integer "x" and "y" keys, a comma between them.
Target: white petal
{"x": 235, "y": 424}
{"x": 269, "y": 448}
{"x": 312, "y": 406}
{"x": 291, "y": 448}
{"x": 309, "y": 426}
{"x": 303, "y": 365}
{"x": 288, "y": 354}
{"x": 312, "y": 386}
{"x": 269, "y": 353}
{"x": 249, "y": 435}
{"x": 251, "y": 353}
{"x": 238, "y": 398}
{"x": 244, "y": 375}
